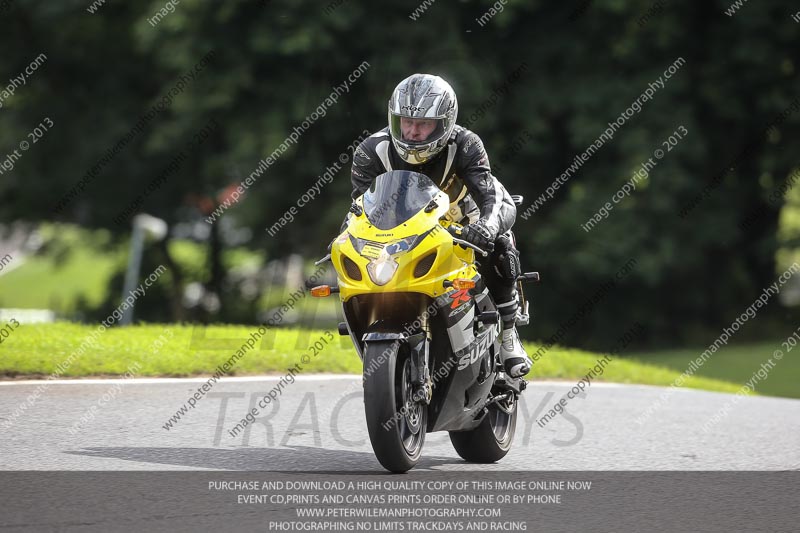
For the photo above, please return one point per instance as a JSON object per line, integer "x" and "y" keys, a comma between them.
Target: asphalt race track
{"x": 317, "y": 425}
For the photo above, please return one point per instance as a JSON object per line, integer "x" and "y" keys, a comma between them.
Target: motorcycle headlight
{"x": 382, "y": 269}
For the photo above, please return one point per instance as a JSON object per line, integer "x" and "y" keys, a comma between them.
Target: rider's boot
{"x": 515, "y": 361}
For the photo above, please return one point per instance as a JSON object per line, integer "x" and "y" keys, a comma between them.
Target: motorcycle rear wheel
{"x": 396, "y": 423}
{"x": 491, "y": 440}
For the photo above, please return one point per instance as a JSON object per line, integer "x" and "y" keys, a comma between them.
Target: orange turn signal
{"x": 321, "y": 291}
{"x": 461, "y": 284}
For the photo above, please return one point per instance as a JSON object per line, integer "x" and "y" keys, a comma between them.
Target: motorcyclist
{"x": 423, "y": 137}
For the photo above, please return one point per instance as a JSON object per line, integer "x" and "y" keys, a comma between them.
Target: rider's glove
{"x": 477, "y": 234}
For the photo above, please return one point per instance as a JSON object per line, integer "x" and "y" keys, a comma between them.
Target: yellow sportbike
{"x": 423, "y": 324}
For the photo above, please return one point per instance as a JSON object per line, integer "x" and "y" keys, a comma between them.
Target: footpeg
{"x": 529, "y": 276}
{"x": 513, "y": 384}
{"x": 489, "y": 317}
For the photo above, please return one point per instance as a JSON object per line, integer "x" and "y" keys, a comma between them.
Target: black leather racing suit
{"x": 462, "y": 171}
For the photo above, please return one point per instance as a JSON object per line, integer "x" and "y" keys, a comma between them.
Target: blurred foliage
{"x": 78, "y": 273}
{"x": 274, "y": 62}
{"x": 69, "y": 273}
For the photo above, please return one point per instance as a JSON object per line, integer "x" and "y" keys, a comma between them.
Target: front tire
{"x": 491, "y": 440}
{"x": 396, "y": 423}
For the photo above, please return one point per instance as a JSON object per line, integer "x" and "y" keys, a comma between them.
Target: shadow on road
{"x": 289, "y": 459}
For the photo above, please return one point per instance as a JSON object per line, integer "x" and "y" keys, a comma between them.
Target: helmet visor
{"x": 416, "y": 131}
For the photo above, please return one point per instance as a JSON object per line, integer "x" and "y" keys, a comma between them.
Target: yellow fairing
{"x": 410, "y": 276}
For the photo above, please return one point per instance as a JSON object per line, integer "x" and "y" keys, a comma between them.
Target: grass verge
{"x": 185, "y": 350}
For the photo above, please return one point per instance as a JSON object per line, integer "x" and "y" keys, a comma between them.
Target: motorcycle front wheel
{"x": 396, "y": 423}
{"x": 491, "y": 440}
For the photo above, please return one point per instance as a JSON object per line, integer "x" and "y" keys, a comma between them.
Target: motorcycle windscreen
{"x": 396, "y": 196}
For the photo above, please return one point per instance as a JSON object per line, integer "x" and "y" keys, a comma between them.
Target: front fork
{"x": 419, "y": 346}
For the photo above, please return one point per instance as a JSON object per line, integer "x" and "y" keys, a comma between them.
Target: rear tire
{"x": 492, "y": 439}
{"x": 396, "y": 424}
